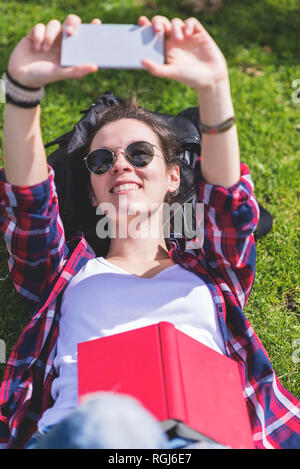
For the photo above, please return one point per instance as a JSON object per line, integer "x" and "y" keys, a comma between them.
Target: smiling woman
{"x": 134, "y": 146}
{"x": 72, "y": 290}
{"x": 148, "y": 185}
{"x": 128, "y": 118}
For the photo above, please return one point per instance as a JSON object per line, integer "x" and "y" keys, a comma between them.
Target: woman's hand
{"x": 36, "y": 59}
{"x": 191, "y": 55}
{"x": 194, "y": 59}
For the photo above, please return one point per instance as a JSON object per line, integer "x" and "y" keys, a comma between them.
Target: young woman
{"x": 72, "y": 292}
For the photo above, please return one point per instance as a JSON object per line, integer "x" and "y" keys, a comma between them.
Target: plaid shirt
{"x": 41, "y": 264}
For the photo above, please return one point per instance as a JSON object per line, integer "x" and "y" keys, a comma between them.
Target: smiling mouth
{"x": 120, "y": 189}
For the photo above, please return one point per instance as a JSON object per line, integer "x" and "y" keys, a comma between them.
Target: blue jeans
{"x": 108, "y": 421}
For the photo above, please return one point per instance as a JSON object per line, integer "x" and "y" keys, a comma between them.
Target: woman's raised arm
{"x": 194, "y": 59}
{"x": 34, "y": 62}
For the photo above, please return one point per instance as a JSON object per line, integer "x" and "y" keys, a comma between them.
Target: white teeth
{"x": 126, "y": 187}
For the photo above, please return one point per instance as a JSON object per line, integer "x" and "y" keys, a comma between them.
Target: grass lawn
{"x": 259, "y": 40}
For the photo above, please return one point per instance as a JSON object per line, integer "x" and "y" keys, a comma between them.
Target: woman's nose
{"x": 121, "y": 163}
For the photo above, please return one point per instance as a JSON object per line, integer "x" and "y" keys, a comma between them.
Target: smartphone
{"x": 112, "y": 45}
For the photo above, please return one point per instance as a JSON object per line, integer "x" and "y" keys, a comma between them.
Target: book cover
{"x": 178, "y": 379}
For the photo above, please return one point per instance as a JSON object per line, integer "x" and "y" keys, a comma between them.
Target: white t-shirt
{"x": 103, "y": 299}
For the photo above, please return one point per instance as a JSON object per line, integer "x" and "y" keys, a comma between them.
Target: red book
{"x": 183, "y": 383}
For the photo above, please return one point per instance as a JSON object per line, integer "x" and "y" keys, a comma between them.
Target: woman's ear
{"x": 174, "y": 178}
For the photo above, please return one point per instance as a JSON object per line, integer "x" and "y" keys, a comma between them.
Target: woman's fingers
{"x": 96, "y": 21}
{"x": 177, "y": 28}
{"x": 43, "y": 36}
{"x": 192, "y": 26}
{"x": 144, "y": 21}
{"x": 37, "y": 35}
{"x": 71, "y": 24}
{"x": 158, "y": 70}
{"x": 52, "y": 30}
{"x": 77, "y": 71}
{"x": 159, "y": 23}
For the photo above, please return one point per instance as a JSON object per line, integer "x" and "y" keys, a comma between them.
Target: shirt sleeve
{"x": 33, "y": 234}
{"x": 230, "y": 218}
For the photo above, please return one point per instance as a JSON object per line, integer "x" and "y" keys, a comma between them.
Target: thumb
{"x": 77, "y": 71}
{"x": 158, "y": 70}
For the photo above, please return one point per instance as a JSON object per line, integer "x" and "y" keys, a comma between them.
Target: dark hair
{"x": 129, "y": 109}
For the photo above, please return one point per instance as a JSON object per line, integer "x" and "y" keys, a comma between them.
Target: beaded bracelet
{"x": 21, "y": 95}
{"x": 217, "y": 129}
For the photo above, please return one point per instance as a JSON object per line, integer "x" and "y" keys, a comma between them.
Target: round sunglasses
{"x": 138, "y": 154}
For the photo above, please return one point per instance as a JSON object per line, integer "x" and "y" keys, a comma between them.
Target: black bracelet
{"x": 217, "y": 129}
{"x": 21, "y": 103}
{"x": 15, "y": 82}
{"x": 21, "y": 95}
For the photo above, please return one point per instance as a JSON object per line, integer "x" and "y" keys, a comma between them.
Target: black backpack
{"x": 71, "y": 176}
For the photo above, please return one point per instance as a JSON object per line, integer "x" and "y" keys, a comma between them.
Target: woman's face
{"x": 151, "y": 182}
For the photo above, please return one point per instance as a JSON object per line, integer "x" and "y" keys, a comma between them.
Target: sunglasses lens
{"x": 100, "y": 161}
{"x": 139, "y": 154}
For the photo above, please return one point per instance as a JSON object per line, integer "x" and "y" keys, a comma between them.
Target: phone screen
{"x": 112, "y": 46}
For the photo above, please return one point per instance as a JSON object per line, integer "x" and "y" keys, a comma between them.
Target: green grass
{"x": 260, "y": 41}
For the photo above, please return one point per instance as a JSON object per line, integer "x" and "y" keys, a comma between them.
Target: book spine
{"x": 174, "y": 387}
